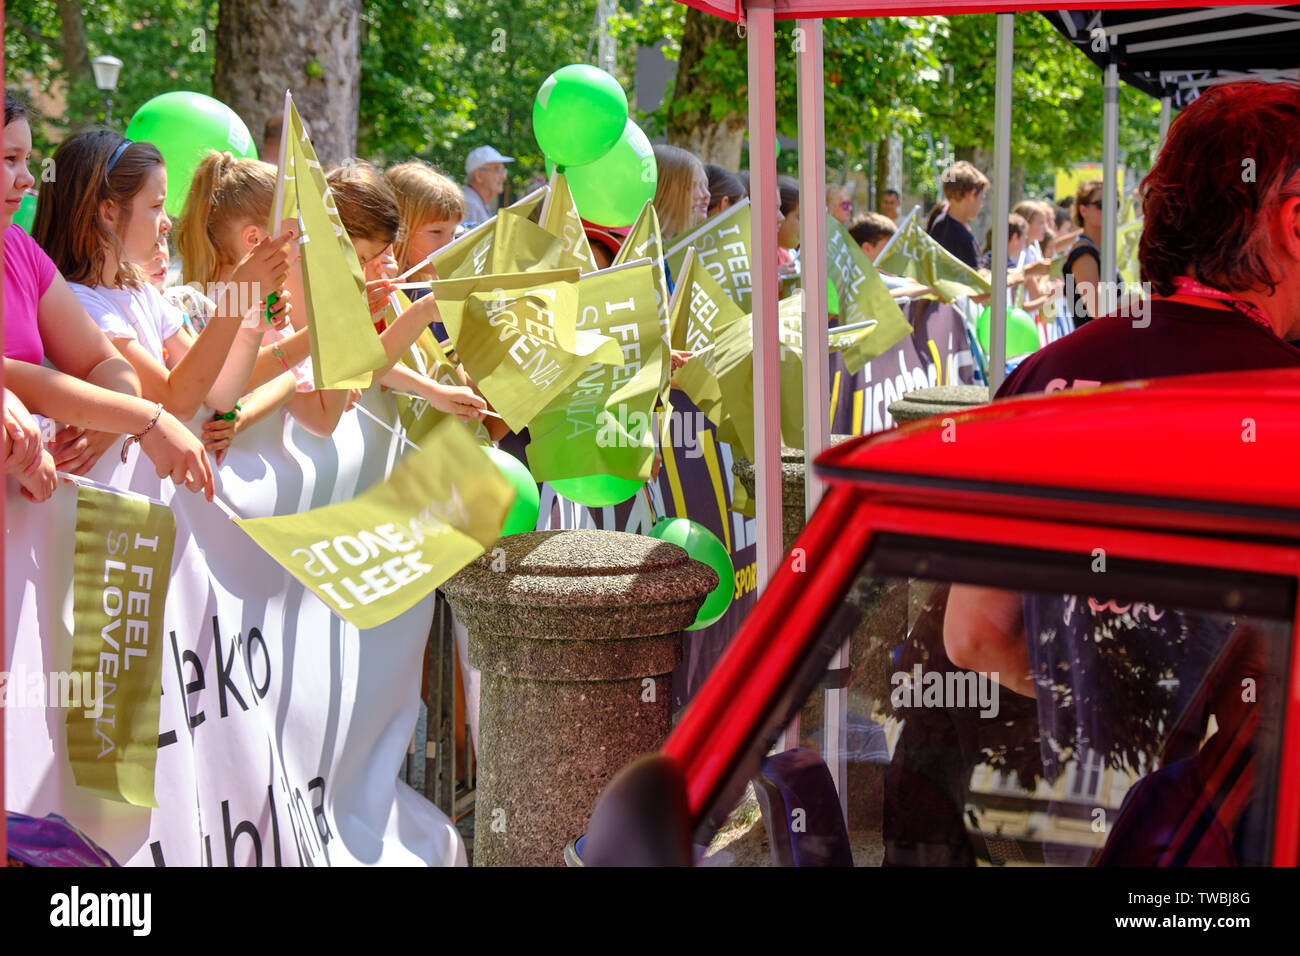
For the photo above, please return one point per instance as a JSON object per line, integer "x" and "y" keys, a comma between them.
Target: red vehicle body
{"x": 1188, "y": 489}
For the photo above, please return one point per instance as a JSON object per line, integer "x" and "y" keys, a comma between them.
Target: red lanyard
{"x": 1189, "y": 286}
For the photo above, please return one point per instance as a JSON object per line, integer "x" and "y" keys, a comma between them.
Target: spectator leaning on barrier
{"x": 485, "y": 180}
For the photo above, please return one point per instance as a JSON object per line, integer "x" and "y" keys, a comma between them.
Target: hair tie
{"x": 117, "y": 154}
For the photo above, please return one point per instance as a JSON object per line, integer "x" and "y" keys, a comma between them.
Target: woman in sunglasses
{"x": 1083, "y": 261}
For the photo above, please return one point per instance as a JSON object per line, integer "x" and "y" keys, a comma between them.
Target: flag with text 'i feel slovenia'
{"x": 721, "y": 246}
{"x": 121, "y": 568}
{"x": 863, "y": 297}
{"x": 345, "y": 348}
{"x": 644, "y": 241}
{"x": 523, "y": 348}
{"x": 913, "y": 252}
{"x": 602, "y": 424}
{"x": 559, "y": 217}
{"x": 700, "y": 313}
{"x": 376, "y": 556}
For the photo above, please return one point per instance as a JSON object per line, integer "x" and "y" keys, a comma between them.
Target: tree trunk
{"x": 312, "y": 48}
{"x": 714, "y": 141}
{"x": 76, "y": 55}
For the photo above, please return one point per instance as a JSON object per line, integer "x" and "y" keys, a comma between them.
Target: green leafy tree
{"x": 163, "y": 45}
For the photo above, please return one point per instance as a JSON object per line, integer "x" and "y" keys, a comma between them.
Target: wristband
{"x": 136, "y": 438}
{"x": 229, "y": 416}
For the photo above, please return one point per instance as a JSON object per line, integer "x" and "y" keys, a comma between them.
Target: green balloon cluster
{"x": 578, "y": 114}
{"x": 702, "y": 545}
{"x": 522, "y": 515}
{"x": 185, "y": 126}
{"x": 581, "y": 123}
{"x": 597, "y": 491}
{"x": 1022, "y": 331}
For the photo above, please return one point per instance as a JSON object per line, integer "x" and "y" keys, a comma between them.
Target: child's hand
{"x": 217, "y": 436}
{"x": 40, "y": 482}
{"x": 458, "y": 400}
{"x": 377, "y": 293}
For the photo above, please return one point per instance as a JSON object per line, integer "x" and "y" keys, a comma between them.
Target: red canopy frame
{"x": 759, "y": 18}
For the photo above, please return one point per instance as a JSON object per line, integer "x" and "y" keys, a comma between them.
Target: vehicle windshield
{"x": 1007, "y": 707}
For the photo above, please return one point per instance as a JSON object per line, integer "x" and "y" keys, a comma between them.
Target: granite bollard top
{"x": 942, "y": 399}
{"x": 583, "y": 567}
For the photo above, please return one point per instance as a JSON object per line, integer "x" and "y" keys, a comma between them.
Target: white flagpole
{"x": 284, "y": 156}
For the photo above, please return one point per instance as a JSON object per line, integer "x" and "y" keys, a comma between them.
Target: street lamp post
{"x": 106, "y": 69}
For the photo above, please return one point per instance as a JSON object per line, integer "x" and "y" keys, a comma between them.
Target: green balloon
{"x": 597, "y": 491}
{"x": 612, "y": 190}
{"x": 522, "y": 515}
{"x": 25, "y": 215}
{"x": 578, "y": 114}
{"x": 702, "y": 545}
{"x": 1022, "y": 331}
{"x": 185, "y": 126}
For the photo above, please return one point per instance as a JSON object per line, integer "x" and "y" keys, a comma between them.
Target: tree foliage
{"x": 156, "y": 40}
{"x": 439, "y": 77}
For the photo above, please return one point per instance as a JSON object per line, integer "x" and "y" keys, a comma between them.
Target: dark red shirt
{"x": 1181, "y": 339}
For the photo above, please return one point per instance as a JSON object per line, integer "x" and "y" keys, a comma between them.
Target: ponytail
{"x": 226, "y": 193}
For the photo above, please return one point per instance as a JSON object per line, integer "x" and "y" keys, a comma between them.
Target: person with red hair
{"x": 1219, "y": 255}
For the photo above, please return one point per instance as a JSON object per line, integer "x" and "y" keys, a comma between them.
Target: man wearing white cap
{"x": 485, "y": 180}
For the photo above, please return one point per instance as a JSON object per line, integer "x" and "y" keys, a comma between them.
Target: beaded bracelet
{"x": 135, "y": 438}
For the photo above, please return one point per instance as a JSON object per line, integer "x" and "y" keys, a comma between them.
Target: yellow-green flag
{"x": 1127, "y": 238}
{"x": 522, "y": 346}
{"x": 513, "y": 244}
{"x": 644, "y": 241}
{"x": 700, "y": 308}
{"x": 474, "y": 245}
{"x": 371, "y": 558}
{"x": 345, "y": 347}
{"x": 913, "y": 252}
{"x": 530, "y": 206}
{"x": 121, "y": 566}
{"x": 701, "y": 311}
{"x": 863, "y": 297}
{"x": 721, "y": 245}
{"x": 559, "y": 217}
{"x": 427, "y": 357}
{"x": 731, "y": 363}
{"x": 602, "y": 423}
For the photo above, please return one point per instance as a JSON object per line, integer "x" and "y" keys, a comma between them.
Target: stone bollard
{"x": 940, "y": 400}
{"x": 577, "y": 634}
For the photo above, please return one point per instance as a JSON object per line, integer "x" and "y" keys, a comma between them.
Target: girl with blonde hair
{"x": 682, "y": 194}
{"x": 430, "y": 205}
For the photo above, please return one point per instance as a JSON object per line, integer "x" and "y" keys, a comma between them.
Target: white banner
{"x": 282, "y": 728}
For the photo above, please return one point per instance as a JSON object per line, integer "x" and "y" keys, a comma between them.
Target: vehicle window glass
{"x": 1135, "y": 717}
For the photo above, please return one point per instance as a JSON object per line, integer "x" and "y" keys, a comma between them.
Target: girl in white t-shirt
{"x": 108, "y": 197}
